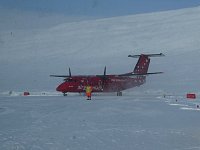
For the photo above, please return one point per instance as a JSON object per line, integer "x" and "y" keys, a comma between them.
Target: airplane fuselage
{"x": 113, "y": 83}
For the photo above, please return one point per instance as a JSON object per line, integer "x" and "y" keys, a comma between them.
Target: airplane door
{"x": 100, "y": 85}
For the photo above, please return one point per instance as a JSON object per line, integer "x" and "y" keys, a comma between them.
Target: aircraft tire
{"x": 119, "y": 93}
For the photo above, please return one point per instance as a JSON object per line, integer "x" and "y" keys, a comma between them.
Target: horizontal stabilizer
{"x": 149, "y": 55}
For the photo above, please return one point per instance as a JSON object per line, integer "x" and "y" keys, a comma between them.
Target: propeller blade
{"x": 104, "y": 71}
{"x": 70, "y": 72}
{"x": 104, "y": 78}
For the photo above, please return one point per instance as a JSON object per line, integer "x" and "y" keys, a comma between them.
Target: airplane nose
{"x": 60, "y": 88}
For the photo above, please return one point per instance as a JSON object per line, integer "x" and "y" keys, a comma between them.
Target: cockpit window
{"x": 70, "y": 80}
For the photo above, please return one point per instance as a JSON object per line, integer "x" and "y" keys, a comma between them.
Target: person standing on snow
{"x": 88, "y": 91}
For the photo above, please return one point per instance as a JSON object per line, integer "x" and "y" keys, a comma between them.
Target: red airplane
{"x": 109, "y": 83}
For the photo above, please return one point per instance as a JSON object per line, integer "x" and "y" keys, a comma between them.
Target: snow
{"x": 105, "y": 122}
{"x": 141, "y": 119}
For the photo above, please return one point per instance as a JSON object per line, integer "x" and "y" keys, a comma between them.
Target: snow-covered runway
{"x": 106, "y": 122}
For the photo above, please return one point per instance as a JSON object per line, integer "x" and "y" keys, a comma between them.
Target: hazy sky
{"x": 97, "y": 8}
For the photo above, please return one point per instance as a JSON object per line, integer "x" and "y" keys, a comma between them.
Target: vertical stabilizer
{"x": 142, "y": 65}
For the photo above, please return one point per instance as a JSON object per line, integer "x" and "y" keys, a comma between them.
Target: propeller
{"x": 63, "y": 76}
{"x": 70, "y": 72}
{"x": 69, "y": 77}
{"x": 104, "y": 71}
{"x": 104, "y": 77}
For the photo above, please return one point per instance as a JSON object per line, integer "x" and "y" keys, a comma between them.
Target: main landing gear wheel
{"x": 119, "y": 93}
{"x": 64, "y": 94}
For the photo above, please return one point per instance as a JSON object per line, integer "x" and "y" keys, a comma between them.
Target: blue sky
{"x": 98, "y": 8}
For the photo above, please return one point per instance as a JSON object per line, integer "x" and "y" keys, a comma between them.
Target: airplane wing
{"x": 62, "y": 76}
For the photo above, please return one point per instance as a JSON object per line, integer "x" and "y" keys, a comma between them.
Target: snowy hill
{"x": 29, "y": 57}
{"x": 140, "y": 119}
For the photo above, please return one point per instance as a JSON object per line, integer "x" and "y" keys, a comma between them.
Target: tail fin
{"x": 142, "y": 65}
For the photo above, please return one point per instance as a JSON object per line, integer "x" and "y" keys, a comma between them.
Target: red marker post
{"x": 191, "y": 96}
